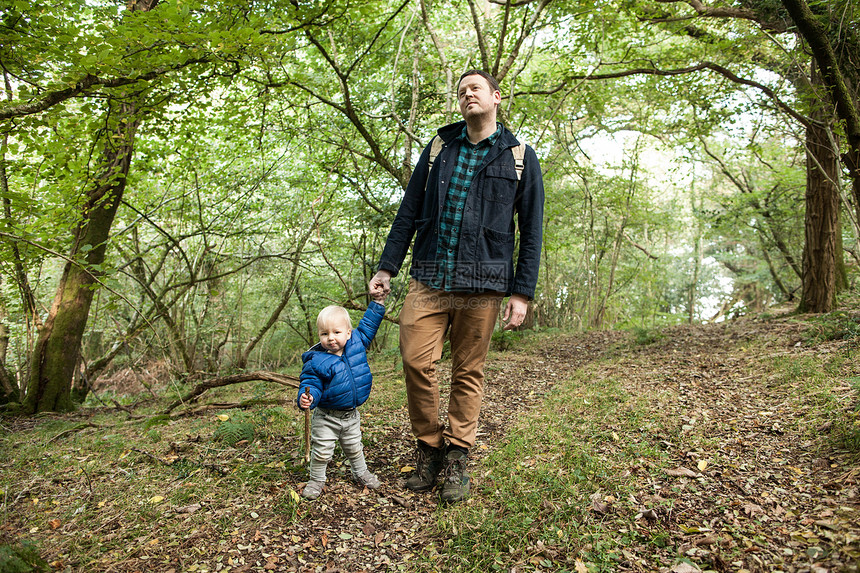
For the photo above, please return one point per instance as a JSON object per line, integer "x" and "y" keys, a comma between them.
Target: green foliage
{"x": 277, "y": 138}
{"x": 21, "y": 557}
{"x": 646, "y": 336}
{"x": 240, "y": 426}
{"x": 157, "y": 420}
{"x": 153, "y": 435}
{"x": 234, "y": 430}
{"x": 845, "y": 428}
{"x": 505, "y": 339}
{"x": 839, "y": 325}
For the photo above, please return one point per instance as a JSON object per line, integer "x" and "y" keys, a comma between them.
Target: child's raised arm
{"x": 369, "y": 323}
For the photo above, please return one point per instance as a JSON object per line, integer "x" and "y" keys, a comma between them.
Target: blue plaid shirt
{"x": 469, "y": 158}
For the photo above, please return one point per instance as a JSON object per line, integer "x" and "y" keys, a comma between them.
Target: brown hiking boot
{"x": 428, "y": 464}
{"x": 455, "y": 486}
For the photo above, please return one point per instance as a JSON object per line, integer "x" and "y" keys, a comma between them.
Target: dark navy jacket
{"x": 342, "y": 382}
{"x": 487, "y": 238}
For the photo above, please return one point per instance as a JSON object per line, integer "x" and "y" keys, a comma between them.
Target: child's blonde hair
{"x": 331, "y": 315}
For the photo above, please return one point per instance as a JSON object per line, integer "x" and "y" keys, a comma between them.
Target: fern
{"x": 232, "y": 432}
{"x": 21, "y": 558}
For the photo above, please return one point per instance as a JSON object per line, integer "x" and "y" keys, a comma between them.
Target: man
{"x": 462, "y": 215}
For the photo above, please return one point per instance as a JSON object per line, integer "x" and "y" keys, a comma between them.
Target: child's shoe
{"x": 313, "y": 489}
{"x": 368, "y": 480}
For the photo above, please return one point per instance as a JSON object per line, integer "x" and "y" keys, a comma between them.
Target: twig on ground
{"x": 70, "y": 431}
{"x": 229, "y": 406}
{"x": 127, "y": 410}
{"x": 214, "y": 467}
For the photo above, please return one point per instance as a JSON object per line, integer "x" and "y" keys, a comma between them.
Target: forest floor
{"x": 727, "y": 447}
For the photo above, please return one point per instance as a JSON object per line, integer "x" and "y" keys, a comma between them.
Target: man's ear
{"x": 497, "y": 97}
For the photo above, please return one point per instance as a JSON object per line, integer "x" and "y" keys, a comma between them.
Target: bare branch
{"x": 376, "y": 37}
{"x": 524, "y": 33}
{"x": 638, "y": 246}
{"x": 449, "y": 75}
{"x": 803, "y": 120}
{"x": 83, "y": 85}
{"x": 482, "y": 41}
{"x": 219, "y": 381}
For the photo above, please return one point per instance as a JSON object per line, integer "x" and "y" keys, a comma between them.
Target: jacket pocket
{"x": 425, "y": 240}
{"x": 494, "y": 268}
{"x": 500, "y": 183}
{"x": 496, "y": 245}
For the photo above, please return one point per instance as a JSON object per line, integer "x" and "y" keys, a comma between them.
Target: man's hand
{"x": 515, "y": 311}
{"x": 380, "y": 285}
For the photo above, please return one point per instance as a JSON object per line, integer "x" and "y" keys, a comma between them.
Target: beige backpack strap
{"x": 435, "y": 148}
{"x": 519, "y": 159}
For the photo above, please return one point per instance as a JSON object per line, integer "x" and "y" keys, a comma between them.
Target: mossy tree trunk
{"x": 823, "y": 263}
{"x": 57, "y": 349}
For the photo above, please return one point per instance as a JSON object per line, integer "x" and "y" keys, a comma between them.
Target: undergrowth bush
{"x": 645, "y": 336}
{"x": 21, "y": 557}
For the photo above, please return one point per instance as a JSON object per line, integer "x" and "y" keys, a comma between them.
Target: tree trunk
{"x": 823, "y": 266}
{"x": 599, "y": 313}
{"x": 242, "y": 361}
{"x": 8, "y": 387}
{"x": 839, "y": 75}
{"x": 57, "y": 349}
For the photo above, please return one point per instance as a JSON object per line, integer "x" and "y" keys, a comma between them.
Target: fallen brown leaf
{"x": 681, "y": 472}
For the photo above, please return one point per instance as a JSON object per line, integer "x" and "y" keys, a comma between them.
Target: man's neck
{"x": 480, "y": 130}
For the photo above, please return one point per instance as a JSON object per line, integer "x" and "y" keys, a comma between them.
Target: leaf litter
{"x": 749, "y": 489}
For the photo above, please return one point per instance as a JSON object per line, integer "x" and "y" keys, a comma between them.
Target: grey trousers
{"x": 327, "y": 429}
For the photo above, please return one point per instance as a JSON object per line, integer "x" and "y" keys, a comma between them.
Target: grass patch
{"x": 558, "y": 493}
{"x": 827, "y": 388}
{"x": 21, "y": 557}
{"x": 144, "y": 487}
{"x": 836, "y": 325}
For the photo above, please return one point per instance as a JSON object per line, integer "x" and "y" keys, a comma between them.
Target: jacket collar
{"x": 450, "y": 132}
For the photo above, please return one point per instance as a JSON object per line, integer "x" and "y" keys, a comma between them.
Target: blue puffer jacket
{"x": 342, "y": 382}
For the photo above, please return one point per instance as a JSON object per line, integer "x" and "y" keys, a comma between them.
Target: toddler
{"x": 338, "y": 376}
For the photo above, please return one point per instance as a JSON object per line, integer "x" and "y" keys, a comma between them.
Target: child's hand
{"x": 378, "y": 297}
{"x": 305, "y": 401}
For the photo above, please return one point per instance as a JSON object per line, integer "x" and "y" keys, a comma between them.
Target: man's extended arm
{"x": 403, "y": 227}
{"x": 530, "y": 198}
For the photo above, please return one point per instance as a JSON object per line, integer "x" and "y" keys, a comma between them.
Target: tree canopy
{"x": 189, "y": 182}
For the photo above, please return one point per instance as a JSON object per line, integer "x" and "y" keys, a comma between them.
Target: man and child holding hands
{"x": 473, "y": 189}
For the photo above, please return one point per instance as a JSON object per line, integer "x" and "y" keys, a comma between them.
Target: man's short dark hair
{"x": 494, "y": 85}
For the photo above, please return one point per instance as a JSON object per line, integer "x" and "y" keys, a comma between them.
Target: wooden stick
{"x": 307, "y": 428}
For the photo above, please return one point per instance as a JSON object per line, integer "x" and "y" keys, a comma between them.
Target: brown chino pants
{"x": 426, "y": 317}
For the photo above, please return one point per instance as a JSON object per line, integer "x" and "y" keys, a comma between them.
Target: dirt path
{"x": 764, "y": 486}
{"x": 760, "y": 488}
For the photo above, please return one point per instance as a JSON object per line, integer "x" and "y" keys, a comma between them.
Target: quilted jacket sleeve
{"x": 310, "y": 378}
{"x": 370, "y": 322}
